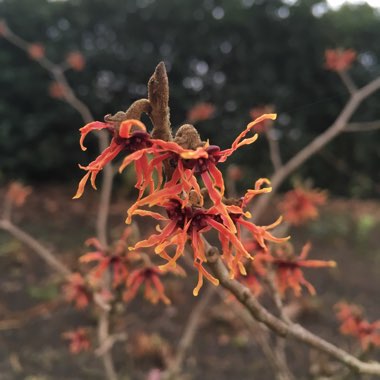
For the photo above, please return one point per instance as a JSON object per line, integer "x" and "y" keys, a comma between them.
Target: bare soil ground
{"x": 33, "y": 316}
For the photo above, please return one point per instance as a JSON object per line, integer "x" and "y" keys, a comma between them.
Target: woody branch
{"x": 280, "y": 326}
{"x": 341, "y": 122}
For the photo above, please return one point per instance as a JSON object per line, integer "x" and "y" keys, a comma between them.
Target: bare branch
{"x": 274, "y": 150}
{"x": 280, "y": 327}
{"x": 347, "y": 80}
{"x": 315, "y": 145}
{"x": 365, "y": 126}
{"x": 37, "y": 247}
{"x": 103, "y": 337}
{"x": 109, "y": 343}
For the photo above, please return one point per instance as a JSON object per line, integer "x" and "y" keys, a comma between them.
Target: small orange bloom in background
{"x": 288, "y": 269}
{"x": 113, "y": 259}
{"x": 265, "y": 124}
{"x": 201, "y": 111}
{"x": 78, "y": 340}
{"x": 339, "y": 59}
{"x": 17, "y": 193}
{"x": 76, "y": 60}
{"x": 150, "y": 278}
{"x": 300, "y": 205}
{"x": 36, "y": 50}
{"x": 355, "y": 325}
{"x": 76, "y": 291}
{"x": 56, "y": 90}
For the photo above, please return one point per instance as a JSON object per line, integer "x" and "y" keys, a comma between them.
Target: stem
{"x": 104, "y": 204}
{"x": 365, "y": 126}
{"x": 274, "y": 150}
{"x": 103, "y": 336}
{"x": 348, "y": 82}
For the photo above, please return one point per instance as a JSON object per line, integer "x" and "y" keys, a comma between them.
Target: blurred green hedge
{"x": 234, "y": 54}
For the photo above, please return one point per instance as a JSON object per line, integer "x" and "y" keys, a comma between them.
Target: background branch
{"x": 365, "y": 126}
{"x": 347, "y": 80}
{"x": 260, "y": 313}
{"x": 36, "y": 246}
{"x": 274, "y": 150}
{"x": 189, "y": 332}
{"x": 315, "y": 145}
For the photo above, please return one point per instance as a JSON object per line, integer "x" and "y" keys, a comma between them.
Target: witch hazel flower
{"x": 76, "y": 290}
{"x": 129, "y": 137}
{"x": 112, "y": 259}
{"x": 78, "y": 340}
{"x": 288, "y": 269}
{"x": 188, "y": 222}
{"x": 354, "y": 324}
{"x": 149, "y": 278}
{"x": 339, "y": 59}
{"x": 301, "y": 205}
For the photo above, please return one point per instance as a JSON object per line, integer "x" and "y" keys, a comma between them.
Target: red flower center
{"x": 181, "y": 216}
{"x": 200, "y": 165}
{"x": 138, "y": 140}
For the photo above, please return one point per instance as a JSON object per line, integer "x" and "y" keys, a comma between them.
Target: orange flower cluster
{"x": 338, "y": 59}
{"x": 128, "y": 271}
{"x": 353, "y": 323}
{"x": 286, "y": 267}
{"x": 200, "y": 112}
{"x": 180, "y": 197}
{"x": 301, "y": 205}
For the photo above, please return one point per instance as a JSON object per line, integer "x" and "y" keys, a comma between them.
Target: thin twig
{"x": 274, "y": 150}
{"x": 365, "y": 126}
{"x": 315, "y": 145}
{"x": 103, "y": 336}
{"x": 109, "y": 343}
{"x": 280, "y": 327}
{"x": 189, "y": 332}
{"x": 347, "y": 80}
{"x": 37, "y": 247}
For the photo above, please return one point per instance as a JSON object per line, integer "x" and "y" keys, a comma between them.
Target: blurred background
{"x": 234, "y": 56}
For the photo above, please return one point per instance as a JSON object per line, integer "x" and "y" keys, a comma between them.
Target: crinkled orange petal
{"x": 239, "y": 142}
{"x": 126, "y": 126}
{"x": 81, "y": 186}
{"x": 95, "y": 125}
{"x": 130, "y": 158}
{"x": 91, "y": 256}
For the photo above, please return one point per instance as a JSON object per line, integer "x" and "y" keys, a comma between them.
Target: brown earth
{"x": 32, "y": 316}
